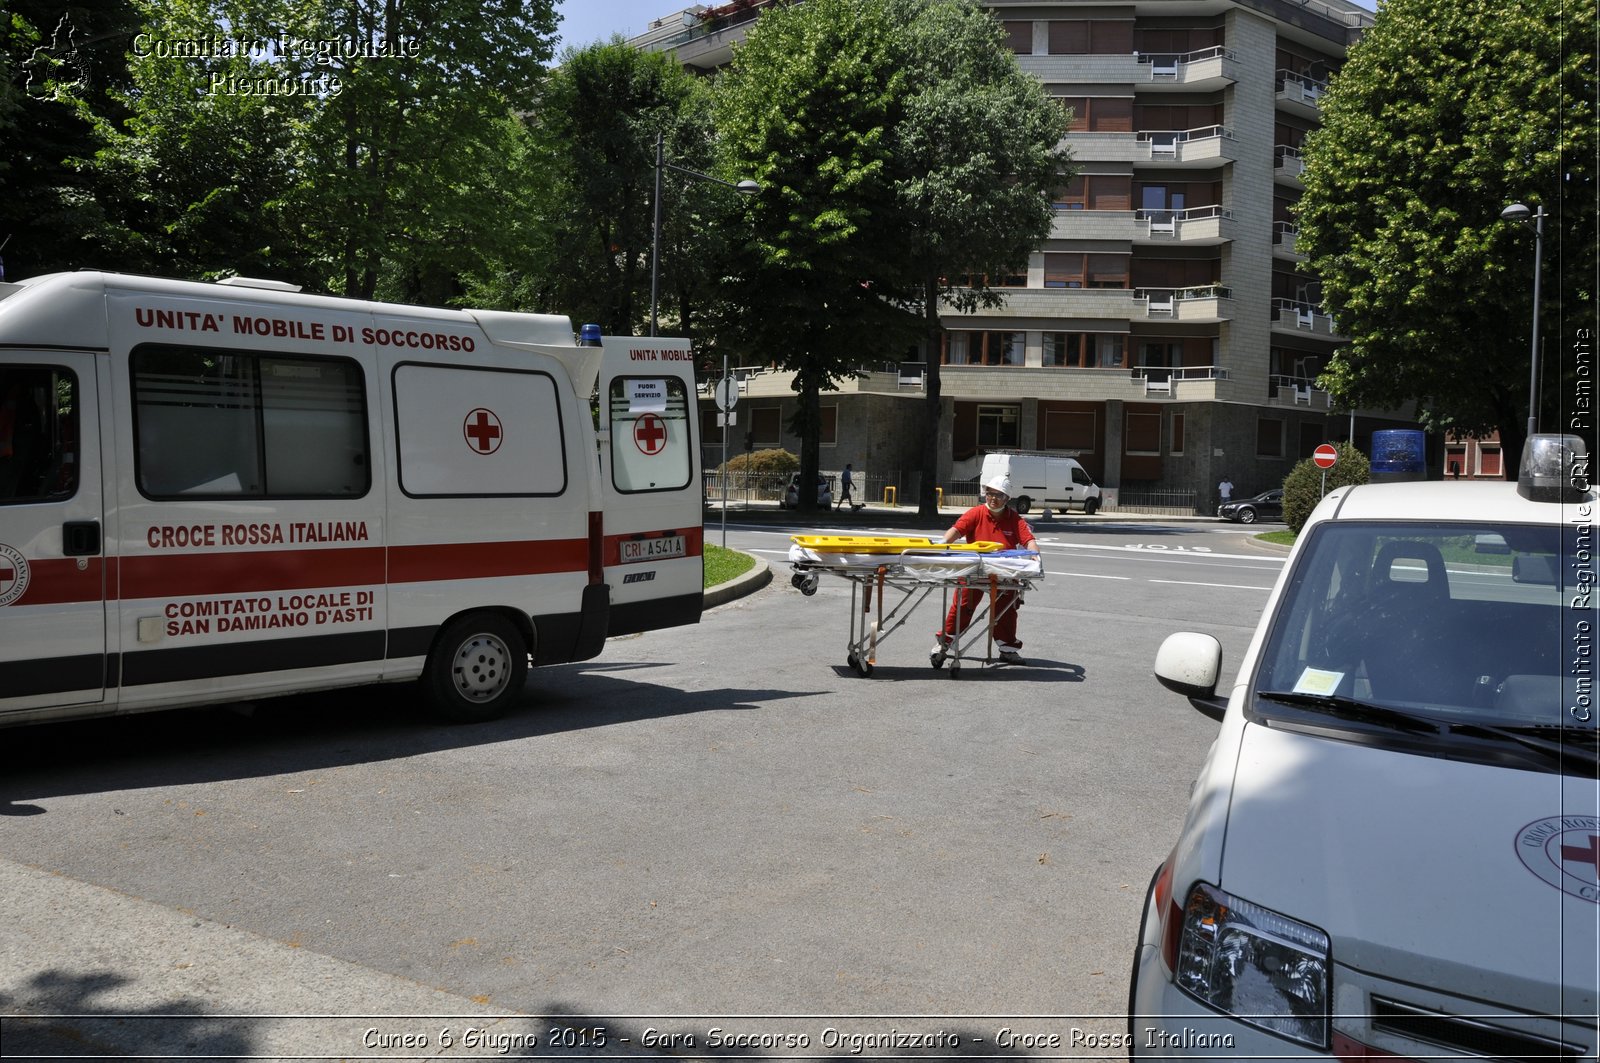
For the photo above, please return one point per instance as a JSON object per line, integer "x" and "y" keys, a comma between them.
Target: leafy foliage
{"x": 1444, "y": 114}
{"x": 902, "y": 148}
{"x": 777, "y": 462}
{"x": 1302, "y": 488}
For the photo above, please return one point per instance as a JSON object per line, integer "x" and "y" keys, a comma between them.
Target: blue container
{"x": 1399, "y": 455}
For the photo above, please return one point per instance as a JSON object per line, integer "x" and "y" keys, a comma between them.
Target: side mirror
{"x": 1190, "y": 664}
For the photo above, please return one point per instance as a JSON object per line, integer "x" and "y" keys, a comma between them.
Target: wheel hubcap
{"x": 482, "y": 668}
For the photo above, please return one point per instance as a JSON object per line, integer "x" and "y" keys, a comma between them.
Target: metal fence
{"x": 1161, "y": 503}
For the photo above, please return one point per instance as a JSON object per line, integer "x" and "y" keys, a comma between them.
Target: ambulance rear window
{"x": 214, "y": 423}
{"x": 650, "y": 437}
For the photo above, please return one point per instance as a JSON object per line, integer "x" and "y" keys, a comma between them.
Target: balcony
{"x": 1284, "y": 235}
{"x": 1111, "y": 303}
{"x": 1300, "y": 95}
{"x": 1209, "y": 304}
{"x": 1179, "y": 147}
{"x": 1069, "y": 223}
{"x": 1292, "y": 317}
{"x": 1189, "y": 382}
{"x": 1287, "y": 166}
{"x": 1207, "y": 70}
{"x": 1085, "y": 69}
{"x": 1196, "y": 226}
{"x": 1297, "y": 391}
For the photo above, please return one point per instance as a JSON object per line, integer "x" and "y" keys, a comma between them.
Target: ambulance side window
{"x": 210, "y": 423}
{"x": 38, "y": 433}
{"x": 650, "y": 437}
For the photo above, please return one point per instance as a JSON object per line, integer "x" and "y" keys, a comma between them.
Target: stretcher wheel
{"x": 936, "y": 659}
{"x": 807, "y": 584}
{"x": 955, "y": 670}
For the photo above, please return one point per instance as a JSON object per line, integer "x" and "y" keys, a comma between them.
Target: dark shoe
{"x": 1011, "y": 657}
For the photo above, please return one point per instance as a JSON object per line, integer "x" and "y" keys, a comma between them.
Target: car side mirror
{"x": 1190, "y": 663}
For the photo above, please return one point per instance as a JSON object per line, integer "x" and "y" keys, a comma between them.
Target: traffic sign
{"x": 1325, "y": 456}
{"x": 727, "y": 392}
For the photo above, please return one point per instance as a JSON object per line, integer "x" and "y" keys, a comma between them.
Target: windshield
{"x": 1454, "y": 623}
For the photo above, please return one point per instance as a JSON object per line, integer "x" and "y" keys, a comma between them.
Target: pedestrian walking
{"x": 846, "y": 480}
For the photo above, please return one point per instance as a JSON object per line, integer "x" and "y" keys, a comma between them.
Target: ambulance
{"x": 211, "y": 492}
{"x": 1392, "y": 850}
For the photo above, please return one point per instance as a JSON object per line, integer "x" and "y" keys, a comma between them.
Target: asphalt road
{"x": 718, "y": 827}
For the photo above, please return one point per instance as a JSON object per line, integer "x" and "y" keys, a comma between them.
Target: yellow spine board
{"x": 888, "y": 544}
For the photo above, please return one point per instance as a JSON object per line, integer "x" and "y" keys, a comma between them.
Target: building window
{"x": 1095, "y": 191}
{"x": 828, "y": 435}
{"x": 998, "y": 426}
{"x": 1177, "y": 433}
{"x": 1084, "y": 350}
{"x": 711, "y": 427}
{"x": 1073, "y": 269}
{"x": 1099, "y": 114}
{"x": 1143, "y": 433}
{"x": 1455, "y": 460}
{"x": 1091, "y": 37}
{"x": 1019, "y": 36}
{"x": 1489, "y": 460}
{"x": 766, "y": 426}
{"x": 962, "y": 347}
{"x": 1269, "y": 437}
{"x": 1070, "y": 430}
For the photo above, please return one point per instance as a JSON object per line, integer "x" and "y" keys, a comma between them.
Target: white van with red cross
{"x": 217, "y": 491}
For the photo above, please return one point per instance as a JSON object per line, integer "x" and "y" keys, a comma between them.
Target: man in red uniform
{"x": 992, "y": 522}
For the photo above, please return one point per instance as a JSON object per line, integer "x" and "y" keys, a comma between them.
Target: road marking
{"x": 1155, "y": 555}
{"x": 1086, "y": 575}
{"x": 1192, "y": 583}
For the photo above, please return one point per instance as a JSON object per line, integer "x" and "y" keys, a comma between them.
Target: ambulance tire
{"x": 477, "y": 669}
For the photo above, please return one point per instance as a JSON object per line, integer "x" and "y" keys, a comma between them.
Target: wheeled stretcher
{"x": 879, "y": 568}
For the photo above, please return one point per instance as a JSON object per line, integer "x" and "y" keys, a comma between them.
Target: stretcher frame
{"x": 914, "y": 575}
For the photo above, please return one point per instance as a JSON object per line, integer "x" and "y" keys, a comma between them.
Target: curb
{"x": 744, "y": 583}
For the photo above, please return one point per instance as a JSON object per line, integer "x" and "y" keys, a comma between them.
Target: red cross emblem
{"x": 13, "y": 575}
{"x": 649, "y": 434}
{"x": 482, "y": 430}
{"x": 1589, "y": 857}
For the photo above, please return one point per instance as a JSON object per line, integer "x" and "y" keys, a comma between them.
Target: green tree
{"x": 907, "y": 160}
{"x": 1444, "y": 113}
{"x": 1303, "y": 487}
{"x": 975, "y": 156}
{"x": 62, "y": 69}
{"x": 595, "y": 128}
{"x": 807, "y": 109}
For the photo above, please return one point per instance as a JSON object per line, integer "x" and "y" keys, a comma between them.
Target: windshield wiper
{"x": 1352, "y": 709}
{"x": 1553, "y": 740}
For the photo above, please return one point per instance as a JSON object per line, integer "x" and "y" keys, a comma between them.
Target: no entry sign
{"x": 1325, "y": 456}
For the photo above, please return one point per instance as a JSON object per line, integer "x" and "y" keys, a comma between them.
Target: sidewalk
{"x": 88, "y": 972}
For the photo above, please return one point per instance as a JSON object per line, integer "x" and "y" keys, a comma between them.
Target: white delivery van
{"x": 1393, "y": 847}
{"x": 218, "y": 491}
{"x": 1046, "y": 481}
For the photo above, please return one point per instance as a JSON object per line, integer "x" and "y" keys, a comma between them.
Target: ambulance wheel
{"x": 477, "y": 668}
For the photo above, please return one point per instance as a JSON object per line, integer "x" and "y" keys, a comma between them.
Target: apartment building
{"x": 1166, "y": 333}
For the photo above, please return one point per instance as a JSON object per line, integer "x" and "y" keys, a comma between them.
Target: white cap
{"x": 999, "y": 482}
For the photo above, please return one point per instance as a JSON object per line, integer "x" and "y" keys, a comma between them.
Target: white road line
{"x": 1085, "y": 575}
{"x": 1191, "y": 583}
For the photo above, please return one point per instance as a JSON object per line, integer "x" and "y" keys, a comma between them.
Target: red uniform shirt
{"x": 978, "y": 525}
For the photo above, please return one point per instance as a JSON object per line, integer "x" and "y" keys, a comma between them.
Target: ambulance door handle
{"x": 80, "y": 538}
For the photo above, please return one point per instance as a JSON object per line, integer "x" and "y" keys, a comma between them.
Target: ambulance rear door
{"x": 52, "y": 556}
{"x": 650, "y": 483}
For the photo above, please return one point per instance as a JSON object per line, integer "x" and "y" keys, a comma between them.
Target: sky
{"x": 584, "y": 22}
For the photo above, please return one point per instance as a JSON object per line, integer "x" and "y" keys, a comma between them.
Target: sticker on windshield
{"x": 1319, "y": 682}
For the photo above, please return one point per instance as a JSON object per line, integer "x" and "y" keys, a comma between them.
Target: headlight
{"x": 1258, "y": 966}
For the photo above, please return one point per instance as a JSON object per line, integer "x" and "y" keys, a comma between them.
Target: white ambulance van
{"x": 1045, "y": 481}
{"x": 220, "y": 491}
{"x": 1393, "y": 847}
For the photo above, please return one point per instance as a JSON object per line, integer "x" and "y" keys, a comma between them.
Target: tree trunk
{"x": 927, "y": 497}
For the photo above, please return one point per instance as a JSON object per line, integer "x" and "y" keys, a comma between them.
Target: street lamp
{"x": 746, "y": 187}
{"x": 1519, "y": 212}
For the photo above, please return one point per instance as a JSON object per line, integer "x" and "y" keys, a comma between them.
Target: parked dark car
{"x": 1268, "y": 505}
